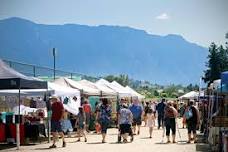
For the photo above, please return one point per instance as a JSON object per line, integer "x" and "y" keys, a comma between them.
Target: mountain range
{"x": 102, "y": 50}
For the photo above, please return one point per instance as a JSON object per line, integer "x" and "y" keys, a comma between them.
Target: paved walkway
{"x": 141, "y": 144}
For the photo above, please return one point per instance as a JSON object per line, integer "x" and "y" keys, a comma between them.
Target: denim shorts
{"x": 56, "y": 126}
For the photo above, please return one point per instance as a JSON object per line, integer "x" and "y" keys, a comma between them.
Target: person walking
{"x": 137, "y": 111}
{"x": 146, "y": 108}
{"x": 160, "y": 109}
{"x": 81, "y": 118}
{"x": 57, "y": 115}
{"x": 87, "y": 110}
{"x": 125, "y": 121}
{"x": 150, "y": 121}
{"x": 104, "y": 117}
{"x": 170, "y": 116}
{"x": 193, "y": 120}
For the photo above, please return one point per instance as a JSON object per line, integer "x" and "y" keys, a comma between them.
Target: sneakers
{"x": 64, "y": 144}
{"x": 53, "y": 146}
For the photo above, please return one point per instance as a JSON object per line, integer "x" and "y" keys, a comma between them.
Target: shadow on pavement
{"x": 42, "y": 148}
{"x": 145, "y": 138}
{"x": 95, "y": 143}
{"x": 7, "y": 146}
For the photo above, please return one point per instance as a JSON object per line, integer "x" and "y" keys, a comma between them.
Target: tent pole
{"x": 18, "y": 123}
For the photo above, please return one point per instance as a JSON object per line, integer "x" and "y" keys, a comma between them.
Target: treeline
{"x": 152, "y": 90}
{"x": 217, "y": 62}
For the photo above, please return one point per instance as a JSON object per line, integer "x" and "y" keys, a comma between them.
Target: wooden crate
{"x": 220, "y": 121}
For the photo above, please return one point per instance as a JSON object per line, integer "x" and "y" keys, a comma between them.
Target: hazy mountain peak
{"x": 104, "y": 49}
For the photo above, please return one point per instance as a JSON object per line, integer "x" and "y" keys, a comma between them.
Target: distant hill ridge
{"x": 102, "y": 50}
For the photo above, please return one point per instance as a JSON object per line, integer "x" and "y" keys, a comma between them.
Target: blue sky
{"x": 199, "y": 21}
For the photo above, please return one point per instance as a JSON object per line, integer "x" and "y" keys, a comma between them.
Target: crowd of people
{"x": 129, "y": 119}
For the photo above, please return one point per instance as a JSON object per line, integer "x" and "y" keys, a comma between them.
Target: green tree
{"x": 213, "y": 64}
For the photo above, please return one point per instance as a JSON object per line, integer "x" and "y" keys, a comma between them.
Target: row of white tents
{"x": 14, "y": 83}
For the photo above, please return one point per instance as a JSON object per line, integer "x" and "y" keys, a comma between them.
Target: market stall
{"x": 217, "y": 130}
{"x": 11, "y": 79}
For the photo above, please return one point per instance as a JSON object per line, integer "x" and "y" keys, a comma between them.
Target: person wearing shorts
{"x": 57, "y": 115}
{"x": 137, "y": 111}
{"x": 193, "y": 122}
{"x": 125, "y": 120}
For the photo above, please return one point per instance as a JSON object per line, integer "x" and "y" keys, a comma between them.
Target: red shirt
{"x": 87, "y": 108}
{"x": 57, "y": 110}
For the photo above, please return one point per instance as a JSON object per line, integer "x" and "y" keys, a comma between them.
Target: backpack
{"x": 188, "y": 114}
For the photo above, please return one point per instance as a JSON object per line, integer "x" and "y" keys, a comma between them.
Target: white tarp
{"x": 123, "y": 89}
{"x": 190, "y": 95}
{"x": 67, "y": 94}
{"x": 63, "y": 90}
{"x": 121, "y": 92}
{"x": 135, "y": 93}
{"x": 105, "y": 91}
{"x": 74, "y": 84}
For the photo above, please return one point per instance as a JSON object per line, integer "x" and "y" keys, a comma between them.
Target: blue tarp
{"x": 224, "y": 77}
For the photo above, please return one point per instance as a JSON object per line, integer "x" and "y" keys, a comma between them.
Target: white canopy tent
{"x": 121, "y": 92}
{"x": 74, "y": 84}
{"x": 136, "y": 94}
{"x": 64, "y": 92}
{"x": 105, "y": 91}
{"x": 192, "y": 95}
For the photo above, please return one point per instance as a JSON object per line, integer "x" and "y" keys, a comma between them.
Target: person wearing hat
{"x": 170, "y": 116}
{"x": 57, "y": 114}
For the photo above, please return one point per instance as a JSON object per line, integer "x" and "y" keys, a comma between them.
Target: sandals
{"x": 53, "y": 146}
{"x": 64, "y": 144}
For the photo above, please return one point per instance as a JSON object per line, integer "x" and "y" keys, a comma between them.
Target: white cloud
{"x": 163, "y": 16}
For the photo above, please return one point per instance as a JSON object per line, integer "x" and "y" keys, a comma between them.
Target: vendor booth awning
{"x": 11, "y": 79}
{"x": 63, "y": 90}
{"x": 121, "y": 92}
{"x": 190, "y": 95}
{"x": 224, "y": 77}
{"x": 134, "y": 93}
{"x": 105, "y": 91}
{"x": 74, "y": 84}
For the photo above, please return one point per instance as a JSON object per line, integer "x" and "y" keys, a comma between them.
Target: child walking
{"x": 150, "y": 121}
{"x": 81, "y": 118}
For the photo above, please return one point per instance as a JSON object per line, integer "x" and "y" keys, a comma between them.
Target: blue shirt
{"x": 136, "y": 111}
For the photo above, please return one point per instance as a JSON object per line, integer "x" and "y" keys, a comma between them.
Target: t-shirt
{"x": 193, "y": 119}
{"x": 57, "y": 110}
{"x": 136, "y": 111}
{"x": 81, "y": 118}
{"x": 87, "y": 108}
{"x": 125, "y": 116}
{"x": 170, "y": 112}
{"x": 105, "y": 113}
